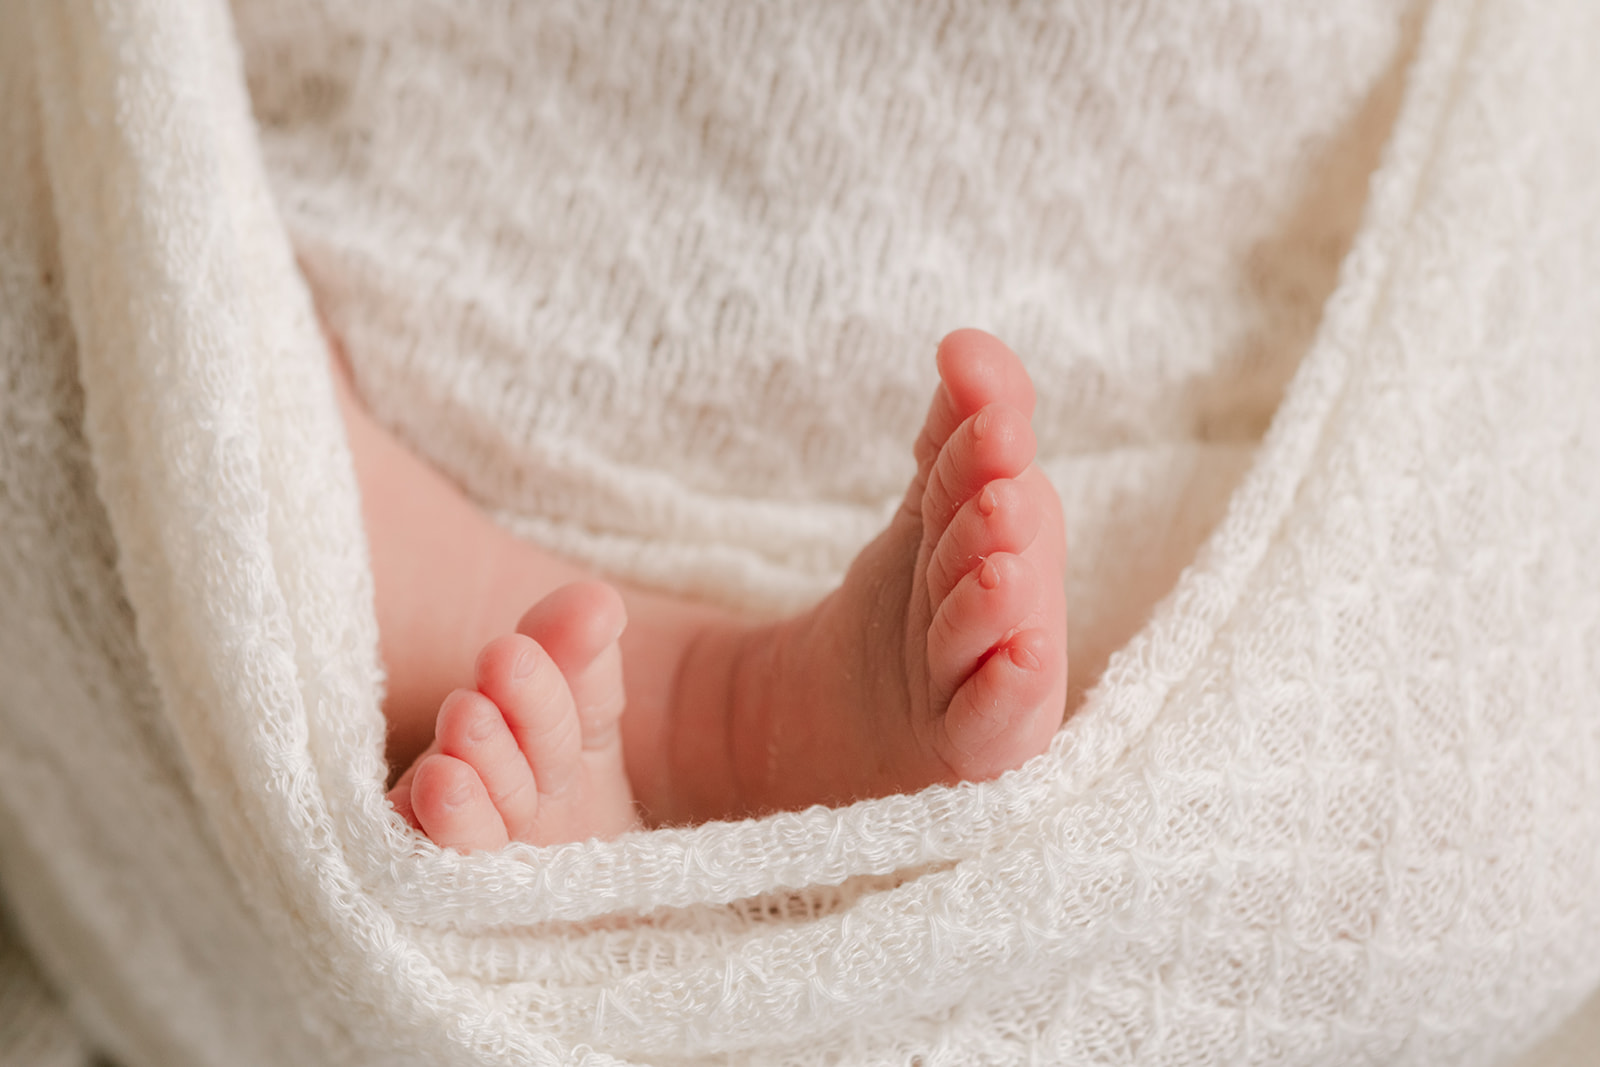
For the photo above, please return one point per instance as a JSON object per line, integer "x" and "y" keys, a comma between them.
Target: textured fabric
{"x": 662, "y": 289}
{"x": 1334, "y": 799}
{"x": 34, "y": 1029}
{"x": 1573, "y": 1045}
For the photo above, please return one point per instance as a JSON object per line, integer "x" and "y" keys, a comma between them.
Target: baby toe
{"x": 1001, "y": 517}
{"x": 472, "y": 729}
{"x": 981, "y": 612}
{"x": 533, "y": 697}
{"x": 1008, "y": 709}
{"x": 996, "y": 442}
{"x": 453, "y": 807}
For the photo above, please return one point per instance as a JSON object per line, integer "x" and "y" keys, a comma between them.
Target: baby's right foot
{"x": 534, "y": 753}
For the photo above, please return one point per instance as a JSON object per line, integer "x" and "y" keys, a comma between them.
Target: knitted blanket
{"x": 1333, "y": 798}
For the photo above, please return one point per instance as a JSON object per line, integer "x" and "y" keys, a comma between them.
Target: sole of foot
{"x": 942, "y": 657}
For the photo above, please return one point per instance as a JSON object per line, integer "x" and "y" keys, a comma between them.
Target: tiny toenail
{"x": 988, "y": 574}
{"x": 1024, "y": 659}
{"x": 987, "y": 501}
{"x": 482, "y": 726}
{"x": 523, "y": 665}
{"x": 980, "y": 425}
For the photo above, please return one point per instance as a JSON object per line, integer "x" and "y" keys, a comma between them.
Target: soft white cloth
{"x": 34, "y": 1031}
{"x": 1336, "y": 800}
{"x": 660, "y": 284}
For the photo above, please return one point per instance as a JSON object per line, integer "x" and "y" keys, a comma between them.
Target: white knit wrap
{"x": 1335, "y": 800}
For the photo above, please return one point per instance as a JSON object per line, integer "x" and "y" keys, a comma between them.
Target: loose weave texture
{"x": 1335, "y": 801}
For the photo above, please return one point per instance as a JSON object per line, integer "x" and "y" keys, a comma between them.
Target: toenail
{"x": 482, "y": 725}
{"x": 980, "y": 425}
{"x": 989, "y": 574}
{"x": 523, "y": 665}
{"x": 987, "y": 501}
{"x": 1024, "y": 659}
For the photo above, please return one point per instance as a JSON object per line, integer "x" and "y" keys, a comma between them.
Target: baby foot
{"x": 942, "y": 656}
{"x": 534, "y": 753}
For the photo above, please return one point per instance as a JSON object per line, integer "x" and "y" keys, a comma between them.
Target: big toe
{"x": 579, "y": 626}
{"x": 976, "y": 369}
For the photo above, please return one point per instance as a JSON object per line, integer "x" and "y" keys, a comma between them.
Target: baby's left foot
{"x": 942, "y": 657}
{"x": 534, "y": 752}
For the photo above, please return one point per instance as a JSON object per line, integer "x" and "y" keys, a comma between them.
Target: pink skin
{"x": 548, "y": 697}
{"x": 941, "y": 657}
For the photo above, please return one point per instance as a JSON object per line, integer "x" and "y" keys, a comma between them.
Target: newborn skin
{"x": 941, "y": 657}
